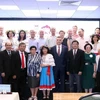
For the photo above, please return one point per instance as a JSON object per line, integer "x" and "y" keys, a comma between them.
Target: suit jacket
{"x": 6, "y": 62}
{"x": 60, "y": 61}
{"x": 75, "y": 64}
{"x": 17, "y": 64}
{"x": 97, "y": 59}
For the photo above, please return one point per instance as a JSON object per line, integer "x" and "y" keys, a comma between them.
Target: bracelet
{"x": 94, "y": 71}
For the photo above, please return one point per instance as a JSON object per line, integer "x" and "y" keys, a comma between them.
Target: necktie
{"x": 9, "y": 53}
{"x": 58, "y": 50}
{"x": 22, "y": 62}
{"x": 74, "y": 53}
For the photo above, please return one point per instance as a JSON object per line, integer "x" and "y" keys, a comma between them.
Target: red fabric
{"x": 22, "y": 62}
{"x": 58, "y": 50}
{"x": 48, "y": 71}
{"x": 96, "y": 54}
{"x": 47, "y": 87}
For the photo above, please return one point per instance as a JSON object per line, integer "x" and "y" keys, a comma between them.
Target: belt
{"x": 22, "y": 69}
{"x": 88, "y": 63}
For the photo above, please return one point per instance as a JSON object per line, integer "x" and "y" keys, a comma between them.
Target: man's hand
{"x": 37, "y": 75}
{"x": 3, "y": 74}
{"x": 68, "y": 73}
{"x": 14, "y": 77}
{"x": 79, "y": 73}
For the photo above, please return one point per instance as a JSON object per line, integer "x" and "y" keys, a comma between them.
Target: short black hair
{"x": 82, "y": 29}
{"x": 98, "y": 28}
{"x": 41, "y": 51}
{"x": 93, "y": 37}
{"x": 61, "y": 31}
{"x": 87, "y": 45}
{"x": 75, "y": 41}
{"x": 22, "y": 43}
{"x": 9, "y": 32}
{"x": 33, "y": 47}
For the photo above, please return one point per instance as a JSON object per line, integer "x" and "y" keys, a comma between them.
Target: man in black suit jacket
{"x": 59, "y": 53}
{"x": 20, "y": 69}
{"x": 75, "y": 66}
{"x": 6, "y": 64}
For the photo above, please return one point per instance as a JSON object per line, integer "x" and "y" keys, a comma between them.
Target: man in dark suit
{"x": 20, "y": 69}
{"x": 75, "y": 66}
{"x": 6, "y": 64}
{"x": 59, "y": 53}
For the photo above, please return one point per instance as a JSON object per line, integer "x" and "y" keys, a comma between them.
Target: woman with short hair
{"x": 33, "y": 71}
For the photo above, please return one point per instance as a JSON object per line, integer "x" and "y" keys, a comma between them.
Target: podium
{"x": 13, "y": 96}
{"x": 68, "y": 96}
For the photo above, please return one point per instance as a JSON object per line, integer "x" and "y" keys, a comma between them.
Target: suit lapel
{"x": 18, "y": 55}
{"x": 6, "y": 53}
{"x": 72, "y": 53}
{"x": 77, "y": 53}
{"x": 55, "y": 50}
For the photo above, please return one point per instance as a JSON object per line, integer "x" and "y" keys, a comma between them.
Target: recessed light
{"x": 65, "y": 13}
{"x": 10, "y": 7}
{"x": 87, "y": 8}
{"x": 31, "y": 13}
{"x": 47, "y": 0}
{"x": 48, "y": 11}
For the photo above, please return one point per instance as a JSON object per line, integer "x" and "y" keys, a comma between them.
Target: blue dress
{"x": 47, "y": 77}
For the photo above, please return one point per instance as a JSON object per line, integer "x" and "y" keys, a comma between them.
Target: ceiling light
{"x": 47, "y": 0}
{"x": 48, "y": 11}
{"x": 65, "y": 13}
{"x": 31, "y": 13}
{"x": 4, "y": 7}
{"x": 87, "y": 7}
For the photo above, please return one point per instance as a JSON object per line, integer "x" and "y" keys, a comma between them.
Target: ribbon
{"x": 48, "y": 71}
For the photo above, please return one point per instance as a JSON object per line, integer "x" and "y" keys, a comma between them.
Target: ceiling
{"x": 50, "y": 9}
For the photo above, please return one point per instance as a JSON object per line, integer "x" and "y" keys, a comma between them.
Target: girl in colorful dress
{"x": 47, "y": 77}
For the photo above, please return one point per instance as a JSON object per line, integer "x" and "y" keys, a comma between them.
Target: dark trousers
{"x": 7, "y": 79}
{"x": 75, "y": 78}
{"x": 98, "y": 81}
{"x": 21, "y": 81}
{"x": 0, "y": 79}
{"x": 59, "y": 75}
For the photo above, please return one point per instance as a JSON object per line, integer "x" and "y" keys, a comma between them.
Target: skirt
{"x": 33, "y": 81}
{"x": 47, "y": 81}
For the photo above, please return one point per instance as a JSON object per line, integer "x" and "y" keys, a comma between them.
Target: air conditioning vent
{"x": 69, "y": 3}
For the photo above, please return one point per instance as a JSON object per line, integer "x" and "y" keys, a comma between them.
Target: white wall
{"x": 88, "y": 26}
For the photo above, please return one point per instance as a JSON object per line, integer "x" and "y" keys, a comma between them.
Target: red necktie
{"x": 23, "y": 64}
{"x": 58, "y": 50}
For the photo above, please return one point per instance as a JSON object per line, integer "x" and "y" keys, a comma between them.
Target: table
{"x": 13, "y": 96}
{"x": 68, "y": 96}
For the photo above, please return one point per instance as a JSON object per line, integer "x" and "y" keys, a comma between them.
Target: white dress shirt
{"x": 57, "y": 47}
{"x": 82, "y": 42}
{"x": 74, "y": 51}
{"x": 41, "y": 42}
{"x": 33, "y": 42}
{"x": 24, "y": 58}
{"x": 97, "y": 59}
{"x": 51, "y": 41}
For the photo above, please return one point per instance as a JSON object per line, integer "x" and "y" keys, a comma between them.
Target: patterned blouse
{"x": 48, "y": 60}
{"x": 33, "y": 64}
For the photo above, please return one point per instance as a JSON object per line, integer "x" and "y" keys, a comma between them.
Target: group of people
{"x": 44, "y": 63}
